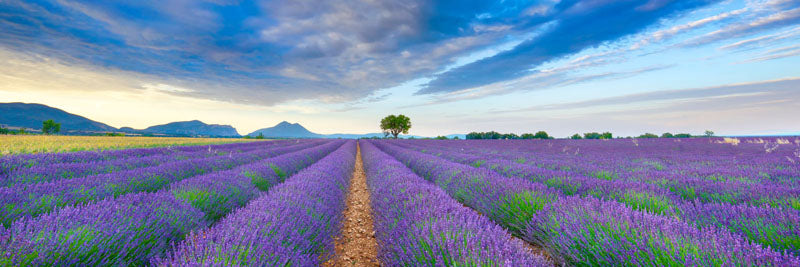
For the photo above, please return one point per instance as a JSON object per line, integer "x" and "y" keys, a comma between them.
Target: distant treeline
{"x": 496, "y": 135}
{"x": 665, "y": 135}
{"x": 20, "y": 131}
{"x": 591, "y": 135}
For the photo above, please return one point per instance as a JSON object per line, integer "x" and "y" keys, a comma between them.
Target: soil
{"x": 357, "y": 245}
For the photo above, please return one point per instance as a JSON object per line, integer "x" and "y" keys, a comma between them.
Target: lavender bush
{"x": 294, "y": 224}
{"x": 31, "y": 200}
{"x": 417, "y": 224}
{"x": 135, "y": 228}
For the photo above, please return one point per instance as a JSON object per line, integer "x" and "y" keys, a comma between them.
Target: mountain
{"x": 32, "y": 115}
{"x": 286, "y": 130}
{"x": 295, "y": 130}
{"x": 190, "y": 128}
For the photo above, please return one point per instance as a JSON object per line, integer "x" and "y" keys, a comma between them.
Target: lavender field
{"x": 620, "y": 202}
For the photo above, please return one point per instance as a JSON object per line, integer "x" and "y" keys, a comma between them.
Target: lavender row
{"x": 756, "y": 213}
{"x": 208, "y": 192}
{"x": 9, "y": 164}
{"x": 508, "y": 201}
{"x": 294, "y": 224}
{"x": 548, "y": 227}
{"x": 689, "y": 188}
{"x": 417, "y": 224}
{"x": 135, "y": 228}
{"x": 691, "y": 157}
{"x": 45, "y": 173}
{"x": 663, "y": 161}
{"x": 594, "y": 232}
{"x": 31, "y": 200}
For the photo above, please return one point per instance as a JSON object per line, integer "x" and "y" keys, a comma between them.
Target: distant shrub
{"x": 496, "y": 135}
{"x": 542, "y": 135}
{"x": 596, "y": 135}
{"x": 50, "y": 127}
{"x": 648, "y": 135}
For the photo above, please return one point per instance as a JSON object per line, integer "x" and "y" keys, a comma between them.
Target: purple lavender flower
{"x": 293, "y": 224}
{"x": 418, "y": 224}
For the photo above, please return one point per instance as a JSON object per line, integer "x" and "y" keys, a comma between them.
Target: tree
{"x": 50, "y": 127}
{"x": 667, "y": 135}
{"x": 395, "y": 125}
{"x": 606, "y": 135}
{"x": 542, "y": 135}
{"x": 709, "y": 133}
{"x": 527, "y": 136}
{"x": 682, "y": 135}
{"x": 592, "y": 135}
{"x": 441, "y": 137}
{"x": 648, "y": 135}
{"x": 575, "y": 137}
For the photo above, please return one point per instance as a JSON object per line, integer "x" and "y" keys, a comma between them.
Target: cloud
{"x": 579, "y": 25}
{"x": 678, "y": 29}
{"x": 766, "y": 39}
{"x": 263, "y": 52}
{"x": 762, "y": 23}
{"x": 775, "y": 89}
{"x": 541, "y": 80}
{"x": 165, "y": 88}
{"x": 783, "y": 52}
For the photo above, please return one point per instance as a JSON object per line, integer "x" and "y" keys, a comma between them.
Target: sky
{"x": 563, "y": 66}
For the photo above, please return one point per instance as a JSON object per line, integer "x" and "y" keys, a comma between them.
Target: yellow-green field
{"x": 26, "y": 144}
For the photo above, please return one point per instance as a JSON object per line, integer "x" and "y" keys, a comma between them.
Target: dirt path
{"x": 357, "y": 245}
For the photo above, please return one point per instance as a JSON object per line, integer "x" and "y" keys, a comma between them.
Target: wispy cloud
{"x": 770, "y": 38}
{"x": 570, "y": 35}
{"x": 777, "y": 89}
{"x": 542, "y": 80}
{"x": 771, "y": 21}
{"x": 678, "y": 29}
{"x": 783, "y": 52}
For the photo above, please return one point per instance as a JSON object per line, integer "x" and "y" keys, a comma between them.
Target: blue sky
{"x": 453, "y": 66}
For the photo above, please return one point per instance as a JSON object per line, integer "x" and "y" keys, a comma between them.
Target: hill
{"x": 32, "y": 115}
{"x": 295, "y": 130}
{"x": 191, "y": 128}
{"x": 286, "y": 130}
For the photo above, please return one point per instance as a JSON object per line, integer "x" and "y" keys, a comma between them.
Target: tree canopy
{"x": 50, "y": 127}
{"x": 496, "y": 135}
{"x": 395, "y": 125}
{"x": 596, "y": 135}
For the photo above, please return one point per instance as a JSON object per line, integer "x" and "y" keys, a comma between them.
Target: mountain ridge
{"x": 31, "y": 115}
{"x": 285, "y": 129}
{"x": 193, "y": 128}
